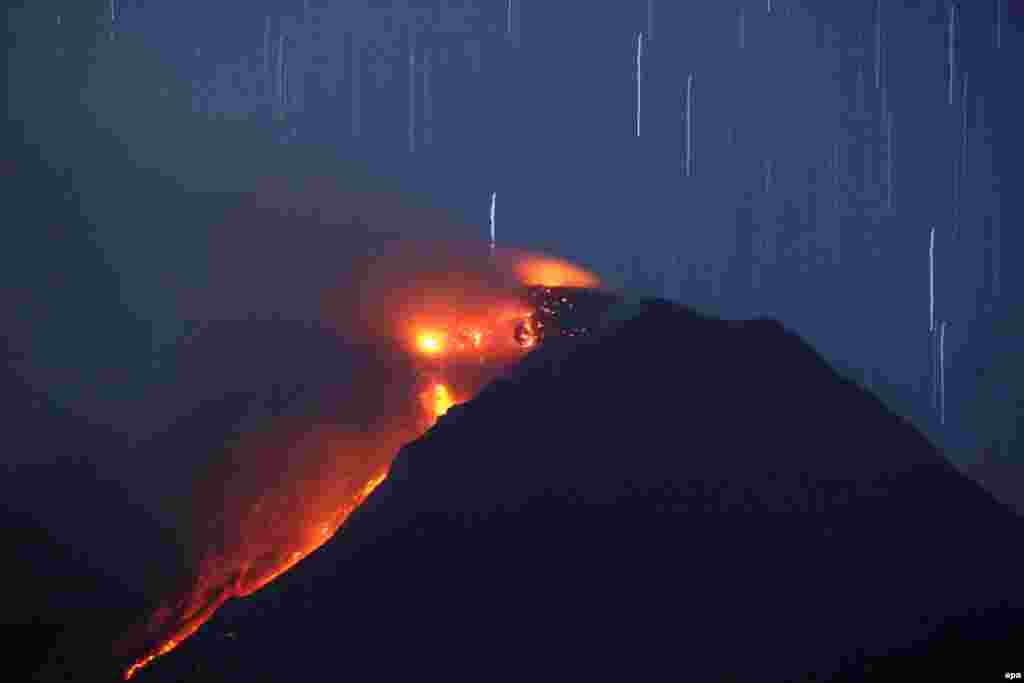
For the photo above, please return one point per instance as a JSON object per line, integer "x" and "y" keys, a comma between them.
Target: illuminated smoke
{"x": 435, "y": 320}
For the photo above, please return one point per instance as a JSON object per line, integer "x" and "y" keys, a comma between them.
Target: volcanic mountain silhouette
{"x": 678, "y": 496}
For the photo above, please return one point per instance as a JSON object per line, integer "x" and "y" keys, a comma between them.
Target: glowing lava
{"x": 255, "y": 524}
{"x": 552, "y": 272}
{"x": 430, "y": 342}
{"x": 437, "y": 400}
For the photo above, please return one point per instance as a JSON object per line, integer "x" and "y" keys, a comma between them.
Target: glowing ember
{"x": 526, "y": 333}
{"x": 437, "y": 400}
{"x": 552, "y": 272}
{"x": 431, "y": 343}
{"x": 442, "y": 400}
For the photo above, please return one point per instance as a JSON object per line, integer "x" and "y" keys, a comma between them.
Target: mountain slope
{"x": 679, "y": 495}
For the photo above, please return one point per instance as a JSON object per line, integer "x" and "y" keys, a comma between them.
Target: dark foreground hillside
{"x": 680, "y": 497}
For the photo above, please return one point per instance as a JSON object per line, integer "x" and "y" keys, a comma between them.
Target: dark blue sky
{"x": 143, "y": 132}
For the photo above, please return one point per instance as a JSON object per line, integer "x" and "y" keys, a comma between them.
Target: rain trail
{"x": 428, "y": 103}
{"x": 999, "y": 24}
{"x": 280, "y": 67}
{"x": 931, "y": 281}
{"x": 412, "y": 96}
{"x": 878, "y": 43}
{"x": 942, "y": 372}
{"x": 963, "y": 120}
{"x": 494, "y": 199}
{"x": 266, "y": 57}
{"x": 889, "y": 161}
{"x": 689, "y": 125}
{"x": 639, "y": 53}
{"x": 356, "y": 90}
{"x": 952, "y": 49}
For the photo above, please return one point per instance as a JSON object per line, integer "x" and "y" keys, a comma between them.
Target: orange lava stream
{"x": 199, "y": 612}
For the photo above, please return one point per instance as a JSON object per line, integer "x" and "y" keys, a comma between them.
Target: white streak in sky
{"x": 860, "y": 90}
{"x": 356, "y": 90}
{"x": 494, "y": 198}
{"x": 999, "y": 24}
{"x": 995, "y": 259}
{"x": 931, "y": 281}
{"x": 742, "y": 29}
{"x": 952, "y": 49}
{"x": 639, "y": 53}
{"x": 650, "y": 19}
{"x": 889, "y": 165}
{"x": 942, "y": 372}
{"x": 266, "y": 51}
{"x": 878, "y": 43}
{"x": 963, "y": 150}
{"x": 835, "y": 169}
{"x": 428, "y": 101}
{"x": 508, "y": 20}
{"x": 280, "y": 67}
{"x": 689, "y": 125}
{"x": 769, "y": 6}
{"x": 412, "y": 99}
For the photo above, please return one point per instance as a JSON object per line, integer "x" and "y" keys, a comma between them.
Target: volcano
{"x": 669, "y": 494}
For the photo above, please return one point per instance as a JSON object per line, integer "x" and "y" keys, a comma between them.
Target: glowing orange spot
{"x": 442, "y": 399}
{"x": 552, "y": 272}
{"x": 430, "y": 343}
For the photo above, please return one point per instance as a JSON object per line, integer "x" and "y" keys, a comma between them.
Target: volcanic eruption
{"x": 440, "y": 321}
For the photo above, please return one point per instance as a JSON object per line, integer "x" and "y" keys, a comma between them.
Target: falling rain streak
{"x": 999, "y": 24}
{"x": 494, "y": 199}
{"x": 412, "y": 97}
{"x": 266, "y": 56}
{"x": 689, "y": 126}
{"x": 742, "y": 29}
{"x": 942, "y": 372}
{"x": 356, "y": 90}
{"x": 428, "y": 102}
{"x": 878, "y": 43}
{"x": 889, "y": 160}
{"x": 952, "y": 49}
{"x": 931, "y": 281}
{"x": 963, "y": 134}
{"x": 280, "y": 68}
{"x": 835, "y": 175}
{"x": 639, "y": 54}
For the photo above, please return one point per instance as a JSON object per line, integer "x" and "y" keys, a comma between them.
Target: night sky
{"x": 170, "y": 163}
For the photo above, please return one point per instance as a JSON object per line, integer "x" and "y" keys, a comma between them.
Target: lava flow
{"x": 278, "y": 494}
